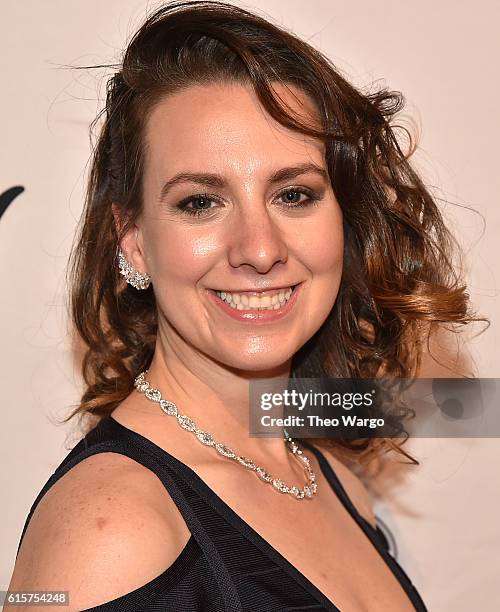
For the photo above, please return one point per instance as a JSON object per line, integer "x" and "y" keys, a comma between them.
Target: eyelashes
{"x": 205, "y": 199}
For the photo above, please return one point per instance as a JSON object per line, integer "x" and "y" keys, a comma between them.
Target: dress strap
{"x": 332, "y": 478}
{"x": 341, "y": 493}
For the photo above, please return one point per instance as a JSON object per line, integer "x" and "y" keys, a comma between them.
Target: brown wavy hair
{"x": 399, "y": 281}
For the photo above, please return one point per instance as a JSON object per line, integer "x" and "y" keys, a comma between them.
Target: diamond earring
{"x": 139, "y": 280}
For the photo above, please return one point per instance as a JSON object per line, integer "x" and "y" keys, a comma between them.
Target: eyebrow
{"x": 216, "y": 180}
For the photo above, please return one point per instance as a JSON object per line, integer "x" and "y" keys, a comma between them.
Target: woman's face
{"x": 222, "y": 186}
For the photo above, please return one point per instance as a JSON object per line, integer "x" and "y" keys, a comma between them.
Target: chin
{"x": 258, "y": 360}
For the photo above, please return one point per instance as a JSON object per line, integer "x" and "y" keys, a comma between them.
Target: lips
{"x": 256, "y": 314}
{"x": 258, "y": 292}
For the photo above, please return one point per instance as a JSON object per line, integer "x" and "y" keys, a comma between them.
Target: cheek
{"x": 321, "y": 245}
{"x": 179, "y": 256}
{"x": 323, "y": 256}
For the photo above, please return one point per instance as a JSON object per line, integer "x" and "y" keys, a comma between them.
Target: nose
{"x": 256, "y": 240}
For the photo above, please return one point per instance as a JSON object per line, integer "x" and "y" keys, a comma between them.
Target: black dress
{"x": 225, "y": 565}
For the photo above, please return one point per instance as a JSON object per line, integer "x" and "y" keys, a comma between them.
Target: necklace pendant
{"x": 280, "y": 486}
{"x": 299, "y": 493}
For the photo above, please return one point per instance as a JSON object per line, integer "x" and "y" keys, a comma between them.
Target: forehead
{"x": 225, "y": 124}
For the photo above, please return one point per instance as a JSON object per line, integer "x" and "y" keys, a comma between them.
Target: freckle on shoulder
{"x": 101, "y": 521}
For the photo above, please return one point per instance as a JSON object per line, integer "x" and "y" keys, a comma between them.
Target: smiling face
{"x": 256, "y": 213}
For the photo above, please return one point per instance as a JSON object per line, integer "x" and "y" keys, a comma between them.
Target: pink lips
{"x": 255, "y": 316}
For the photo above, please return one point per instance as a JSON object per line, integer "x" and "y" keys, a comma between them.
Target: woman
{"x": 249, "y": 215}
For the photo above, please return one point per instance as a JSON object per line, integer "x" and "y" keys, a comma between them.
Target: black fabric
{"x": 226, "y": 566}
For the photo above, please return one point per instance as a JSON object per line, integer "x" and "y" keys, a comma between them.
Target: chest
{"x": 318, "y": 537}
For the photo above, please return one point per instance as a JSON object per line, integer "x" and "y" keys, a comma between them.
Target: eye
{"x": 202, "y": 199}
{"x": 200, "y": 204}
{"x": 291, "y": 194}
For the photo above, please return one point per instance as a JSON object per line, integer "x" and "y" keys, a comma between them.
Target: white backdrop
{"x": 442, "y": 55}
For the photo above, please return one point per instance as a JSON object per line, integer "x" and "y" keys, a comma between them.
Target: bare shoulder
{"x": 105, "y": 528}
{"x": 353, "y": 485}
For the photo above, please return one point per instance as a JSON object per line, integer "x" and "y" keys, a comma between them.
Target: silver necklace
{"x": 169, "y": 408}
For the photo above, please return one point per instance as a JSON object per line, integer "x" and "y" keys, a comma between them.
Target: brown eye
{"x": 292, "y": 197}
{"x": 201, "y": 203}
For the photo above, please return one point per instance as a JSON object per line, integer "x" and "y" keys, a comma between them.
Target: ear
{"x": 130, "y": 243}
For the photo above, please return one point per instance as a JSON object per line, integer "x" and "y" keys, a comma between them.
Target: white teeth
{"x": 254, "y": 302}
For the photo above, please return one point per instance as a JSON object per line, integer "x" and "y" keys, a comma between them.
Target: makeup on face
{"x": 242, "y": 231}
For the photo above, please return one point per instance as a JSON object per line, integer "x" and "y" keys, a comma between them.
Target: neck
{"x": 216, "y": 398}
